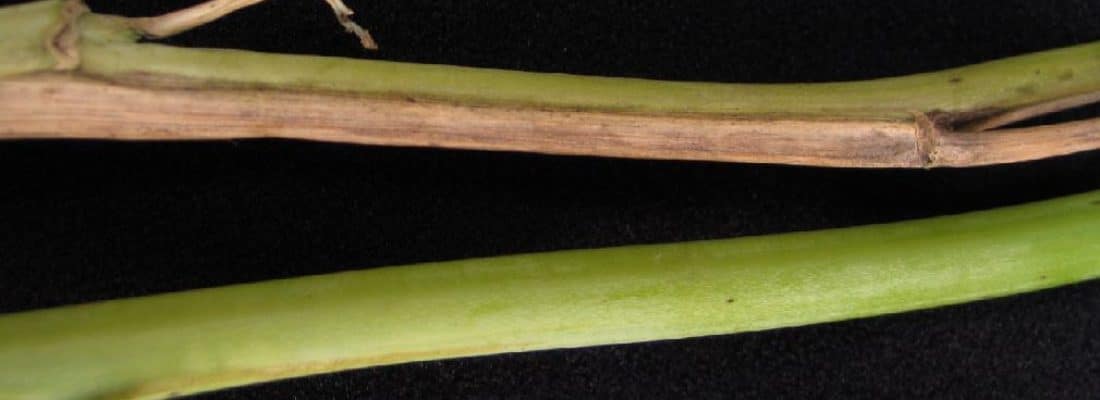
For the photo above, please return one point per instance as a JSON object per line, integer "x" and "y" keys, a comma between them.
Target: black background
{"x": 83, "y": 221}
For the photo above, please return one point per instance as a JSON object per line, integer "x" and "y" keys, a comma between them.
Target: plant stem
{"x": 174, "y": 344}
{"x": 983, "y": 89}
{"x": 50, "y": 106}
{"x": 917, "y": 121}
{"x": 25, "y": 29}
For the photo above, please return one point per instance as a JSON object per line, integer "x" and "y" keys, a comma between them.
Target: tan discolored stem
{"x": 61, "y": 106}
{"x": 343, "y": 15}
{"x": 183, "y": 20}
{"x": 53, "y": 106}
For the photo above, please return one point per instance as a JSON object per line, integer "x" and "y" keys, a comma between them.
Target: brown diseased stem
{"x": 49, "y": 105}
{"x": 113, "y": 88}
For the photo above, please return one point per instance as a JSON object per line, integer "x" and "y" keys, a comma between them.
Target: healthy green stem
{"x": 173, "y": 344}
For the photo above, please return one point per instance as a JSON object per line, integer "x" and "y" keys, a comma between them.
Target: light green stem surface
{"x": 109, "y": 49}
{"x": 199, "y": 340}
{"x": 995, "y": 85}
{"x": 23, "y": 32}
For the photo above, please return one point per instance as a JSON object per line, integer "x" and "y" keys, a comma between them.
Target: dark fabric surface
{"x": 84, "y": 221}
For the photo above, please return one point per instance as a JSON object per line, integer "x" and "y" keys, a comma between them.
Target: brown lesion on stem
{"x": 983, "y": 139}
{"x": 62, "y": 42}
{"x": 975, "y": 138}
{"x": 51, "y": 105}
{"x": 180, "y": 21}
{"x": 1002, "y": 146}
{"x": 928, "y": 131}
{"x": 66, "y": 105}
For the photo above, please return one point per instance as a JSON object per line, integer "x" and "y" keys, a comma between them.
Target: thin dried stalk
{"x": 343, "y": 15}
{"x": 177, "y": 22}
{"x": 1032, "y": 111}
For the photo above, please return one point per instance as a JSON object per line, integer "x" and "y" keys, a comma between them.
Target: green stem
{"x": 1003, "y": 84}
{"x": 109, "y": 48}
{"x": 916, "y": 121}
{"x": 179, "y": 343}
{"x": 23, "y": 32}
